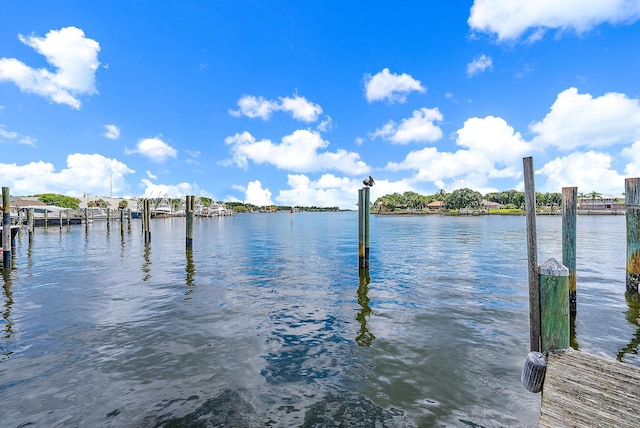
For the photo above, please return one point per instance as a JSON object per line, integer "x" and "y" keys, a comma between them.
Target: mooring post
{"x": 532, "y": 251}
{"x": 108, "y": 219}
{"x": 554, "y": 306}
{"x": 30, "y": 224}
{"x": 60, "y": 220}
{"x": 366, "y": 225}
{"x": 632, "y": 206}
{"x": 46, "y": 218}
{"x": 6, "y": 228}
{"x": 569, "y": 217}
{"x": 122, "y": 221}
{"x": 361, "y": 258}
{"x": 147, "y": 220}
{"x": 189, "y": 207}
{"x": 68, "y": 217}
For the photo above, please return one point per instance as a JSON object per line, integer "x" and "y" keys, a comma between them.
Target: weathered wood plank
{"x": 587, "y": 390}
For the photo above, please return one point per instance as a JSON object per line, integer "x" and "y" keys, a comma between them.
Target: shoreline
{"x": 482, "y": 213}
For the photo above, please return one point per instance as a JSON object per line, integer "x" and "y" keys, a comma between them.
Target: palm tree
{"x": 594, "y": 195}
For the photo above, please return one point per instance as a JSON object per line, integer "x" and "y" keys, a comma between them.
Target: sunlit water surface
{"x": 266, "y": 321}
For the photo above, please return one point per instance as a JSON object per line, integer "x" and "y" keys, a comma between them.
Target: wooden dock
{"x": 582, "y": 390}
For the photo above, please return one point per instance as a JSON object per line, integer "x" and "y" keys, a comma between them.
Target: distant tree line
{"x": 463, "y": 198}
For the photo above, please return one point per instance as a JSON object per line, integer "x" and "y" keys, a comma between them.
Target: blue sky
{"x": 295, "y": 102}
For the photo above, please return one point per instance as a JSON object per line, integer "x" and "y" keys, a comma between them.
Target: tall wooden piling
{"x": 6, "y": 228}
{"x": 532, "y": 251}
{"x": 30, "y": 224}
{"x": 146, "y": 219}
{"x": 46, "y": 218}
{"x": 554, "y": 306}
{"x": 632, "y": 206}
{"x": 189, "y": 208}
{"x": 569, "y": 217}
{"x": 361, "y": 253}
{"x": 122, "y": 221}
{"x": 60, "y": 219}
{"x": 367, "y": 208}
{"x": 108, "y": 219}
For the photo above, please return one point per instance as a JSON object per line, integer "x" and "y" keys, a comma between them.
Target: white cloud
{"x": 632, "y": 169}
{"x": 14, "y": 137}
{"x": 151, "y": 175}
{"x": 479, "y": 64}
{"x": 256, "y": 195}
{"x": 154, "y": 149}
{"x": 511, "y": 19}
{"x": 588, "y": 171}
{"x": 325, "y": 125}
{"x": 74, "y": 57}
{"x": 579, "y": 120}
{"x": 420, "y": 127}
{"x": 152, "y": 190}
{"x": 490, "y": 149}
{"x": 258, "y": 107}
{"x": 112, "y": 132}
{"x": 332, "y": 191}
{"x": 85, "y": 173}
{"x": 390, "y": 86}
{"x": 299, "y": 152}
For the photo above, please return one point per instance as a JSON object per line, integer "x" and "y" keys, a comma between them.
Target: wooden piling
{"x": 189, "y": 208}
{"x": 6, "y": 228}
{"x": 46, "y": 218}
{"x": 632, "y": 206}
{"x": 361, "y": 245}
{"x": 30, "y": 224}
{"x": 68, "y": 218}
{"x": 554, "y": 306}
{"x": 108, "y": 219}
{"x": 569, "y": 217}
{"x": 532, "y": 251}
{"x": 146, "y": 216}
{"x": 60, "y": 220}
{"x": 367, "y": 208}
{"x": 122, "y": 221}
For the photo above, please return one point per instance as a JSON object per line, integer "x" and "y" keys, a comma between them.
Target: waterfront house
{"x": 436, "y": 206}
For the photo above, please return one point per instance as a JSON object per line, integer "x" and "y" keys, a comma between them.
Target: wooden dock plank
{"x": 582, "y": 390}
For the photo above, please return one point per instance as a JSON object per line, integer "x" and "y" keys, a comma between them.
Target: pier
{"x": 583, "y": 390}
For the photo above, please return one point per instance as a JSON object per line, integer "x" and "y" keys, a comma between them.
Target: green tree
{"x": 59, "y": 200}
{"x": 123, "y": 204}
{"x": 463, "y": 198}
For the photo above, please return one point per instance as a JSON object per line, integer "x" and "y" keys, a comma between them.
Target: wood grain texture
{"x": 582, "y": 390}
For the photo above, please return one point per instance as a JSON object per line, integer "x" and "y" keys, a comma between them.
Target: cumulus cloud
{"x": 333, "y": 191}
{"x": 511, "y": 19}
{"x": 479, "y": 64}
{"x": 420, "y": 127}
{"x": 14, "y": 137}
{"x": 588, "y": 171}
{"x": 112, "y": 132}
{"x": 74, "y": 58}
{"x": 490, "y": 148}
{"x": 390, "y": 86}
{"x": 255, "y": 194}
{"x": 301, "y": 151}
{"x": 579, "y": 120}
{"x": 632, "y": 169}
{"x": 154, "y": 149}
{"x": 258, "y": 107}
{"x": 85, "y": 173}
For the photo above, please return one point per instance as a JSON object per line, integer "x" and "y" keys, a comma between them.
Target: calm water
{"x": 266, "y": 322}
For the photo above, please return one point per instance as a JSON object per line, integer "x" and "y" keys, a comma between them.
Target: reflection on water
{"x": 364, "y": 337}
{"x": 276, "y": 326}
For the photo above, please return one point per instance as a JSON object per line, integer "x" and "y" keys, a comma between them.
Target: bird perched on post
{"x": 368, "y": 181}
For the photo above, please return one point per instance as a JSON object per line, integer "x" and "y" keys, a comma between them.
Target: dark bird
{"x": 368, "y": 181}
